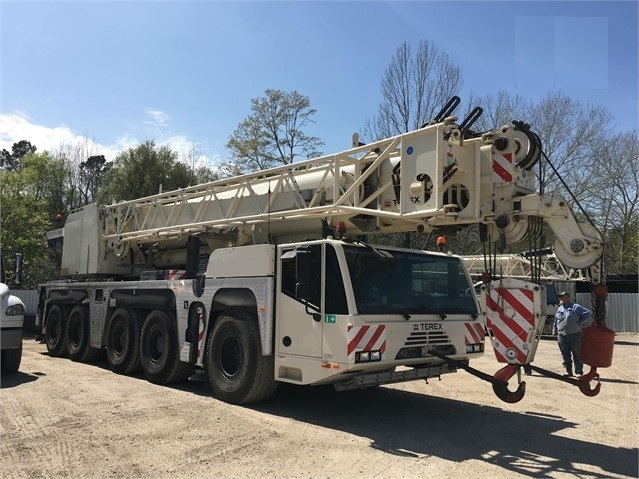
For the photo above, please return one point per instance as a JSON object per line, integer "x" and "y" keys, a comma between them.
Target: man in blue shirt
{"x": 570, "y": 319}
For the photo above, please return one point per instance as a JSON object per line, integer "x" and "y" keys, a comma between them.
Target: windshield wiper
{"x": 461, "y": 311}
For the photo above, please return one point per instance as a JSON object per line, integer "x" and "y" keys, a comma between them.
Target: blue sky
{"x": 183, "y": 73}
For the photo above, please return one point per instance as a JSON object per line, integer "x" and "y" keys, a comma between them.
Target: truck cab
{"x": 11, "y": 320}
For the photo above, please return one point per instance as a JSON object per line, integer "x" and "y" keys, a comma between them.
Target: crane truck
{"x": 267, "y": 277}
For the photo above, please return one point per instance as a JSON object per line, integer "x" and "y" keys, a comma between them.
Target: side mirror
{"x": 17, "y": 269}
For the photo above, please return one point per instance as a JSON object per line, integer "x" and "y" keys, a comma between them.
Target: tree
{"x": 614, "y": 194}
{"x": 272, "y": 134}
{"x": 569, "y": 131}
{"x": 79, "y": 176}
{"x": 24, "y": 218}
{"x": 92, "y": 173}
{"x": 200, "y": 173}
{"x": 414, "y": 88}
{"x": 143, "y": 171}
{"x": 11, "y": 161}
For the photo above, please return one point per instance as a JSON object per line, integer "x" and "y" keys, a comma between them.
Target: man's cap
{"x": 564, "y": 293}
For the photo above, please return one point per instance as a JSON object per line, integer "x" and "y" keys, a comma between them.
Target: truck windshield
{"x": 387, "y": 281}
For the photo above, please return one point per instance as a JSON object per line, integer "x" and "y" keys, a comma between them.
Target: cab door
{"x": 299, "y": 313}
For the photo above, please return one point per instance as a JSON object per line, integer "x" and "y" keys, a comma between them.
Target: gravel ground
{"x": 63, "y": 419}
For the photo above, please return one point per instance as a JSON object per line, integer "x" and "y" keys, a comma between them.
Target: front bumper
{"x": 10, "y": 338}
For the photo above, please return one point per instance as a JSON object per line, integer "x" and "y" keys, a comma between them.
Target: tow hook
{"x": 585, "y": 380}
{"x": 500, "y": 385}
{"x": 499, "y": 380}
{"x": 582, "y": 382}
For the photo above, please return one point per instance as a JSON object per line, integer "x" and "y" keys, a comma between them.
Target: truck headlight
{"x": 15, "y": 310}
{"x": 368, "y": 356}
{"x": 474, "y": 348}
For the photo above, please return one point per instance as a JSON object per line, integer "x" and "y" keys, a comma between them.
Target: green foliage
{"x": 48, "y": 178}
{"x": 23, "y": 221}
{"x": 143, "y": 171}
{"x": 204, "y": 174}
{"x": 11, "y": 161}
{"x": 40, "y": 186}
{"x": 272, "y": 134}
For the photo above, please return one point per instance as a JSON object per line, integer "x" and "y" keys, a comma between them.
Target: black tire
{"x": 123, "y": 341}
{"x": 159, "y": 353}
{"x": 11, "y": 359}
{"x": 78, "y": 336}
{"x": 56, "y": 336}
{"x": 236, "y": 370}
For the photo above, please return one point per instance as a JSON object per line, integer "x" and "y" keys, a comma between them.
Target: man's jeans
{"x": 570, "y": 343}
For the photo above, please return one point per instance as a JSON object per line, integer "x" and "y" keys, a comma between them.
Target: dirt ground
{"x": 64, "y": 419}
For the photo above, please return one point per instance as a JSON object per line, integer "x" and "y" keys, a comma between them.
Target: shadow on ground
{"x": 417, "y": 425}
{"x": 16, "y": 379}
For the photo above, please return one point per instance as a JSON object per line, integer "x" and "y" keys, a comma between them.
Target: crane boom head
{"x": 439, "y": 177}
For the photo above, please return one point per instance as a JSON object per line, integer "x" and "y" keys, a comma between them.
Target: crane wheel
{"x": 123, "y": 341}
{"x": 78, "y": 335}
{"x": 236, "y": 370}
{"x": 159, "y": 353}
{"x": 56, "y": 336}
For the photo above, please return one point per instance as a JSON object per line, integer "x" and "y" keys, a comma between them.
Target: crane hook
{"x": 500, "y": 385}
{"x": 585, "y": 379}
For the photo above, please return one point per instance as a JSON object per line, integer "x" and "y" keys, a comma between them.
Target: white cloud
{"x": 125, "y": 142}
{"x": 158, "y": 118}
{"x": 17, "y": 126}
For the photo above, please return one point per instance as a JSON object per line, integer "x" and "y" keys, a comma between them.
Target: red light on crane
{"x": 441, "y": 243}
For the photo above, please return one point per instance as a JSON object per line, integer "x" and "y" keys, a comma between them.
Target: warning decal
{"x": 503, "y": 168}
{"x": 510, "y": 319}
{"x": 474, "y": 333}
{"x": 366, "y": 338}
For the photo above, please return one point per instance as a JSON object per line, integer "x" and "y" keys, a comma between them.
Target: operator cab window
{"x": 335, "y": 297}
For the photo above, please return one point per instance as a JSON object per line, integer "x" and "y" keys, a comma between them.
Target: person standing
{"x": 570, "y": 320}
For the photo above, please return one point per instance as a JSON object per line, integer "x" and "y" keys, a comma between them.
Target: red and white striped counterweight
{"x": 515, "y": 312}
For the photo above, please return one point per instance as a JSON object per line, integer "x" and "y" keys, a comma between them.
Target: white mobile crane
{"x": 258, "y": 279}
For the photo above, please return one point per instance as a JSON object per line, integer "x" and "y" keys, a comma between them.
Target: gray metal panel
{"x": 97, "y": 315}
{"x": 262, "y": 287}
{"x": 622, "y": 313}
